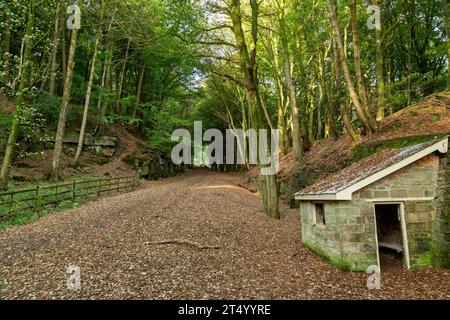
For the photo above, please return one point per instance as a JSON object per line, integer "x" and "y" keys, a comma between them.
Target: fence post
{"x": 99, "y": 190}
{"x": 36, "y": 197}
{"x": 73, "y": 191}
{"x": 11, "y": 199}
{"x": 136, "y": 178}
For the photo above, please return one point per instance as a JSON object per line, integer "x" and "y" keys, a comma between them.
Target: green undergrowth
{"x": 27, "y": 207}
{"x": 26, "y": 216}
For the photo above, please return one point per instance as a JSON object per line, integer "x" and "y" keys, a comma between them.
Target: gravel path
{"x": 198, "y": 236}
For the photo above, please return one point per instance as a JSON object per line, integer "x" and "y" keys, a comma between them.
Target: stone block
{"x": 380, "y": 194}
{"x": 360, "y": 220}
{"x": 430, "y": 193}
{"x": 416, "y": 193}
{"x": 367, "y": 194}
{"x": 356, "y": 237}
{"x": 341, "y": 219}
{"x": 398, "y": 193}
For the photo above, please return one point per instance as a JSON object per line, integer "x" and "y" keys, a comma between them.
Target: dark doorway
{"x": 390, "y": 238}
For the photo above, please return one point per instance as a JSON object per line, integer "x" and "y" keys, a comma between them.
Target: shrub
{"x": 49, "y": 107}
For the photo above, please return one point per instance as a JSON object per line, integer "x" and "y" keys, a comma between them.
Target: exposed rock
{"x": 153, "y": 166}
{"x": 89, "y": 140}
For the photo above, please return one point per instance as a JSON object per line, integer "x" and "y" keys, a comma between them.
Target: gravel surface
{"x": 198, "y": 236}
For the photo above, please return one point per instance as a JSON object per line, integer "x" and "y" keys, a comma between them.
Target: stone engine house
{"x": 391, "y": 208}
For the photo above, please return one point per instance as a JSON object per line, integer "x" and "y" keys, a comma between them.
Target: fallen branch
{"x": 250, "y": 189}
{"x": 186, "y": 242}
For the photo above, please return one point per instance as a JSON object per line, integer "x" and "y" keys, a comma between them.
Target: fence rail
{"x": 44, "y": 196}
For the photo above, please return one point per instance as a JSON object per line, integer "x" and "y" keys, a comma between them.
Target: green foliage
{"x": 161, "y": 133}
{"x": 32, "y": 135}
{"x": 124, "y": 119}
{"x": 27, "y": 207}
{"x": 5, "y": 124}
{"x": 48, "y": 107}
{"x": 192, "y": 66}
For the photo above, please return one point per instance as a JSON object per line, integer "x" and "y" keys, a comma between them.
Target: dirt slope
{"x": 39, "y": 166}
{"x": 428, "y": 117}
{"x": 6, "y": 105}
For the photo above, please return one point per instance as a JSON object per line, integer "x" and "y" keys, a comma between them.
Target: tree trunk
{"x": 105, "y": 81}
{"x": 303, "y": 101}
{"x": 329, "y": 122}
{"x": 271, "y": 47}
{"x": 312, "y": 110}
{"x": 86, "y": 107}
{"x": 56, "y": 174}
{"x": 342, "y": 107}
{"x": 101, "y": 92}
{"x": 357, "y": 58}
{"x": 320, "y": 74}
{"x": 63, "y": 51}
{"x": 54, "y": 45}
{"x": 290, "y": 85}
{"x": 380, "y": 72}
{"x": 447, "y": 23}
{"x": 331, "y": 125}
{"x": 88, "y": 92}
{"x": 365, "y": 118}
{"x": 122, "y": 75}
{"x": 268, "y": 183}
{"x": 139, "y": 90}
{"x": 24, "y": 77}
{"x": 244, "y": 127}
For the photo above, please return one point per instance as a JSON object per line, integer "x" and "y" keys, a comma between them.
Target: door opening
{"x": 391, "y": 244}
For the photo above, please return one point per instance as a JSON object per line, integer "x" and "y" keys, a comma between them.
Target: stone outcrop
{"x": 153, "y": 165}
{"x": 103, "y": 145}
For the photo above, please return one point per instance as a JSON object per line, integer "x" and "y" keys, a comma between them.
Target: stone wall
{"x": 441, "y": 223}
{"x": 419, "y": 217}
{"x": 348, "y": 237}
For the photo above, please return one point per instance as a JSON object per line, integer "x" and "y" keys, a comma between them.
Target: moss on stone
{"x": 342, "y": 262}
{"x": 365, "y": 150}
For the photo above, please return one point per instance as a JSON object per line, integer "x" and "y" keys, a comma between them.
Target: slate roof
{"x": 363, "y": 169}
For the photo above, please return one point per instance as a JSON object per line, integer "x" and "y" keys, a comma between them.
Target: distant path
{"x": 197, "y": 236}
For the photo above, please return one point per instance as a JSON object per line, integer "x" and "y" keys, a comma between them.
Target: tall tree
{"x": 139, "y": 90}
{"x": 59, "y": 138}
{"x": 381, "y": 104}
{"x": 365, "y": 118}
{"x": 54, "y": 51}
{"x": 290, "y": 84}
{"x": 364, "y": 96}
{"x": 25, "y": 69}
{"x": 446, "y": 5}
{"x": 89, "y": 88}
{"x": 248, "y": 63}
{"x": 338, "y": 94}
{"x": 122, "y": 76}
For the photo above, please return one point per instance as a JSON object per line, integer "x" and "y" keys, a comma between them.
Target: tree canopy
{"x": 311, "y": 69}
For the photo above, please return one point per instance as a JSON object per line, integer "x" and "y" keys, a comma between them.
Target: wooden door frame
{"x": 401, "y": 212}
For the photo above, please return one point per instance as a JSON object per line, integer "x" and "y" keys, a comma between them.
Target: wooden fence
{"x": 44, "y": 196}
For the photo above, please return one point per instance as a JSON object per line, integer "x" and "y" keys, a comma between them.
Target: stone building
{"x": 390, "y": 209}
